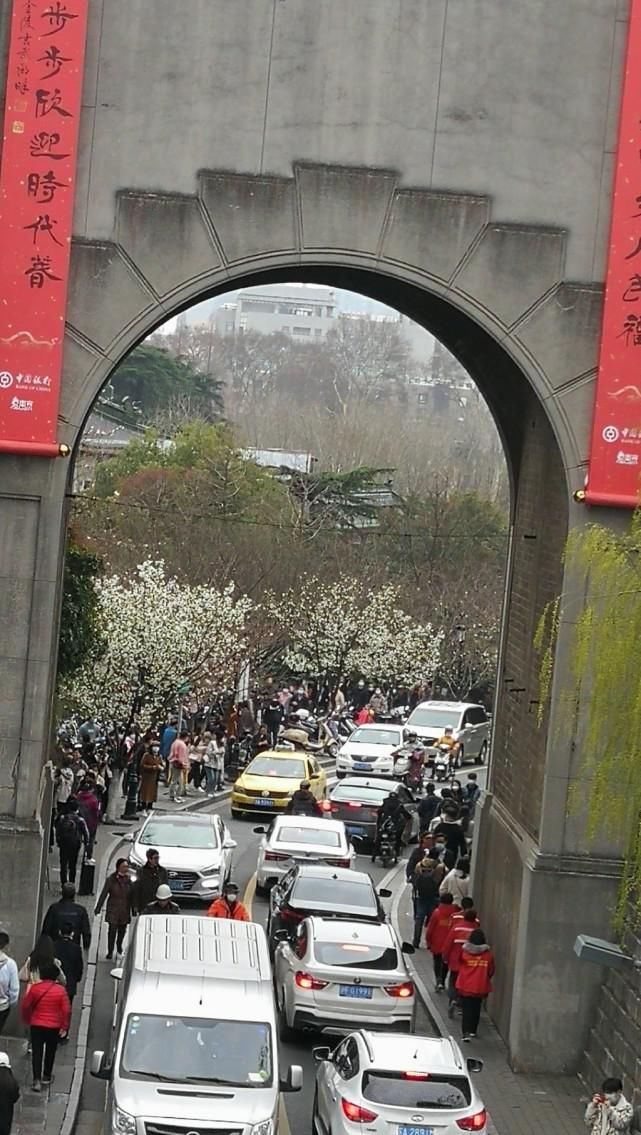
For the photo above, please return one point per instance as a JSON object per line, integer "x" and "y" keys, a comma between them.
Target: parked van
{"x": 194, "y": 1041}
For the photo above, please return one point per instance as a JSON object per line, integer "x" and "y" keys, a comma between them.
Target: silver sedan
{"x": 290, "y": 840}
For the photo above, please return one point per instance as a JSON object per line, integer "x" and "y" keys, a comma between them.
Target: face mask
{"x": 155, "y": 749}
{"x": 232, "y": 899}
{"x": 612, "y": 1097}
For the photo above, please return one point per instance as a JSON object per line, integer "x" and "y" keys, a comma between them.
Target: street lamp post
{"x": 460, "y": 640}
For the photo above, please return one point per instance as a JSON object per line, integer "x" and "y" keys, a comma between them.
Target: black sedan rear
{"x": 357, "y": 800}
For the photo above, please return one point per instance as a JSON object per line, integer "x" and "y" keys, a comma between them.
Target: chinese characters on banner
{"x": 614, "y": 476}
{"x": 37, "y": 176}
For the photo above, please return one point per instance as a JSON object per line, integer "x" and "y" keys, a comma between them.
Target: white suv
{"x": 411, "y": 1085}
{"x": 470, "y": 723}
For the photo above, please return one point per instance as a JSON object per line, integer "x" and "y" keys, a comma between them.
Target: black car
{"x": 329, "y": 892}
{"x": 356, "y": 802}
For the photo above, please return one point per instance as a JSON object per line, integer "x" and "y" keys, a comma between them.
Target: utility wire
{"x": 222, "y": 519}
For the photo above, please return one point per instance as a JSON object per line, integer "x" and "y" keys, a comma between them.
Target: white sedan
{"x": 370, "y": 750}
{"x": 290, "y": 840}
{"x": 338, "y": 975}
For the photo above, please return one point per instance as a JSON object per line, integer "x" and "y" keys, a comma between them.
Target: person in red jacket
{"x": 47, "y": 1012}
{"x": 459, "y": 933}
{"x": 474, "y": 981}
{"x": 436, "y": 934}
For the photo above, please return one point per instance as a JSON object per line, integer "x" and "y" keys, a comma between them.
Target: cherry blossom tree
{"x": 160, "y": 635}
{"x": 346, "y": 628}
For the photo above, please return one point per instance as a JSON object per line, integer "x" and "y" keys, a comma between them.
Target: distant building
{"x": 281, "y": 460}
{"x": 303, "y": 311}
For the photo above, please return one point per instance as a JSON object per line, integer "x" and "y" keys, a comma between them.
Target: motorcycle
{"x": 413, "y": 778}
{"x": 386, "y": 850}
{"x": 442, "y": 763}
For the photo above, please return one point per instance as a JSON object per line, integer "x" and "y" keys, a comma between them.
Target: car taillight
{"x": 275, "y": 857}
{"x": 473, "y": 1122}
{"x": 358, "y": 1114}
{"x": 416, "y": 1075}
{"x": 291, "y": 915}
{"x": 353, "y": 804}
{"x": 405, "y": 989}
{"x": 338, "y": 862}
{"x": 306, "y": 981}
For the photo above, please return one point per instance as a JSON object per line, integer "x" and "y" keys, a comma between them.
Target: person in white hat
{"x": 9, "y": 1094}
{"x": 163, "y": 903}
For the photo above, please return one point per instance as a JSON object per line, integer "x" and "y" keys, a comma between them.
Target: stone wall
{"x": 614, "y": 1044}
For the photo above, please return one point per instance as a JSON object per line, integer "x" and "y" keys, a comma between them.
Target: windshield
{"x": 373, "y": 796}
{"x": 190, "y": 1049}
{"x": 309, "y": 835}
{"x": 336, "y": 893}
{"x": 175, "y": 833}
{"x": 433, "y": 718}
{"x": 375, "y": 737}
{"x": 288, "y": 767}
{"x": 394, "y": 1089}
{"x": 355, "y": 955}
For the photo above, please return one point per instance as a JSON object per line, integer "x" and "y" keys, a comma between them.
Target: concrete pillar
{"x": 32, "y": 513}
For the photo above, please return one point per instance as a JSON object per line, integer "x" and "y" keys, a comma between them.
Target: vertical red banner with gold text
{"x": 614, "y": 476}
{"x": 37, "y": 182}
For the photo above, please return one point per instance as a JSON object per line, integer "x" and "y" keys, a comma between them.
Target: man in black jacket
{"x": 69, "y": 955}
{"x": 452, "y": 831}
{"x": 303, "y": 802}
{"x": 163, "y": 903}
{"x": 150, "y": 878}
{"x": 66, "y": 910}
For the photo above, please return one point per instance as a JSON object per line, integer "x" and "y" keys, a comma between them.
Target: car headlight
{"x": 264, "y": 1128}
{"x": 122, "y": 1121}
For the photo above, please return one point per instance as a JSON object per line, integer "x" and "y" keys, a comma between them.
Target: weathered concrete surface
{"x": 450, "y": 158}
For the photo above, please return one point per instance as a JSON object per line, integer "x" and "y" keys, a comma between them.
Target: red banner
{"x": 614, "y": 476}
{"x": 37, "y": 181}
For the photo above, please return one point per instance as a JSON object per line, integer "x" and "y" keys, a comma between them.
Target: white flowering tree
{"x": 160, "y": 635}
{"x": 346, "y": 628}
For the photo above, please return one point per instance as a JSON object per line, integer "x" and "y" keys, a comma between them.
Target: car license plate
{"x": 367, "y": 765}
{"x": 351, "y": 830}
{"x": 364, "y": 992}
{"x": 263, "y": 803}
{"x": 179, "y": 885}
{"x": 404, "y": 1130}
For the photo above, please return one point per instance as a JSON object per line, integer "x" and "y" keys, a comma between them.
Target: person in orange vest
{"x": 228, "y": 905}
{"x": 474, "y": 981}
{"x": 459, "y": 933}
{"x": 438, "y": 928}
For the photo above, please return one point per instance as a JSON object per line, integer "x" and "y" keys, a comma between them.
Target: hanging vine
{"x": 604, "y": 686}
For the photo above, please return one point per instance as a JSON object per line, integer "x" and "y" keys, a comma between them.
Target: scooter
{"x": 442, "y": 763}
{"x": 386, "y": 846}
{"x": 414, "y": 776}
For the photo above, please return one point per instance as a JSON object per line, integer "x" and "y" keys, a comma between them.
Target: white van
{"x": 194, "y": 1041}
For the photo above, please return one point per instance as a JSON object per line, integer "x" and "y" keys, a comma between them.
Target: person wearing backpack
{"x": 71, "y": 834}
{"x": 428, "y": 877}
{"x": 9, "y": 1094}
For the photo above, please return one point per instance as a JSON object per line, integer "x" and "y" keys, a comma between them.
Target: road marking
{"x": 283, "y": 1121}
{"x": 248, "y": 897}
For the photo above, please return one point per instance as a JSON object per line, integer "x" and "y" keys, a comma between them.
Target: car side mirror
{"x": 293, "y": 1081}
{"x": 129, "y": 837}
{"x": 407, "y": 948}
{"x": 116, "y": 974}
{"x": 281, "y": 936}
{"x": 229, "y": 844}
{"x": 385, "y": 892}
{"x": 474, "y": 1065}
{"x": 98, "y": 1067}
{"x": 260, "y": 831}
{"x": 321, "y": 1054}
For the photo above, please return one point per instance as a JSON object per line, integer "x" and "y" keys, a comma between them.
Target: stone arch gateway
{"x": 375, "y": 152}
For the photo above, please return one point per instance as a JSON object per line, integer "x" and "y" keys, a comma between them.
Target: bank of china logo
{"x": 6, "y": 380}
{"x": 610, "y": 433}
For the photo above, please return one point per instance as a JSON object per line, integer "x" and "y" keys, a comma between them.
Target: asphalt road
{"x": 298, "y": 1106}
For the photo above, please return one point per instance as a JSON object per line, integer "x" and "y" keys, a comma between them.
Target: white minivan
{"x": 470, "y": 723}
{"x": 194, "y": 1041}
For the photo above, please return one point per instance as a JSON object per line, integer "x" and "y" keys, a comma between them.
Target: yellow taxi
{"x": 271, "y": 779}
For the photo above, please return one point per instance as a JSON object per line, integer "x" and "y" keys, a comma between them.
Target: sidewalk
{"x": 518, "y": 1104}
{"x": 54, "y": 1111}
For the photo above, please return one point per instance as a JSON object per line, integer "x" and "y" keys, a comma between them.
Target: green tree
{"x": 79, "y": 632}
{"x": 337, "y": 499}
{"x": 151, "y": 378}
